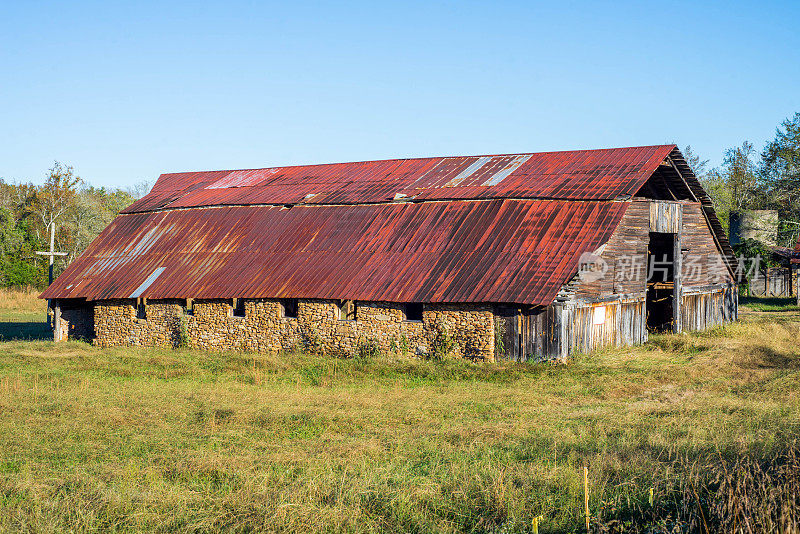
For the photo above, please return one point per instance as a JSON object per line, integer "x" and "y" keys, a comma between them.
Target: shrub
{"x": 404, "y": 345}
{"x": 499, "y": 338}
{"x": 444, "y": 344}
{"x": 368, "y": 350}
{"x": 183, "y": 340}
{"x": 311, "y": 341}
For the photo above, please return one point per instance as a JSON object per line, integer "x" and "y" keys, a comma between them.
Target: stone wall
{"x": 116, "y": 323}
{"x": 467, "y": 330}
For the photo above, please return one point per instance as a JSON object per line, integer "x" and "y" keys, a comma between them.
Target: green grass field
{"x": 180, "y": 440}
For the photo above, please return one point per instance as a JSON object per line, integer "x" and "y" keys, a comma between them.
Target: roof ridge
{"x": 568, "y": 174}
{"x": 386, "y": 160}
{"x": 290, "y": 205}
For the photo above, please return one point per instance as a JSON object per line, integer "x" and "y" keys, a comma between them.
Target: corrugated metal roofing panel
{"x": 470, "y": 251}
{"x": 580, "y": 174}
{"x": 139, "y": 291}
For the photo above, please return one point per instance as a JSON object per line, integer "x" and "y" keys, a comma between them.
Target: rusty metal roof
{"x": 581, "y": 174}
{"x": 467, "y": 251}
{"x": 502, "y": 228}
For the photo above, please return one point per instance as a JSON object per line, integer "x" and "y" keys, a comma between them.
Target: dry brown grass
{"x": 21, "y": 300}
{"x": 144, "y": 439}
{"x": 22, "y": 315}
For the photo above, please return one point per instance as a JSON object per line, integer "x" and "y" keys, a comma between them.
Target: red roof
{"x": 467, "y": 229}
{"x": 581, "y": 174}
{"x": 495, "y": 251}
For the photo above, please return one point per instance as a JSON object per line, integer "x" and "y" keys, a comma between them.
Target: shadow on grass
{"x": 32, "y": 330}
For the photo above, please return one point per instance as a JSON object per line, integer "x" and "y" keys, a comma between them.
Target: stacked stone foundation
{"x": 453, "y": 330}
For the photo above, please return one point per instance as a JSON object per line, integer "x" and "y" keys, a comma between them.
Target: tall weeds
{"x": 715, "y": 492}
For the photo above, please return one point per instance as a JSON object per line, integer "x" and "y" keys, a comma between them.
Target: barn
{"x": 523, "y": 257}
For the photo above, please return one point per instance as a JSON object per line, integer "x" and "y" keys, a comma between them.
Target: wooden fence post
{"x": 586, "y": 494}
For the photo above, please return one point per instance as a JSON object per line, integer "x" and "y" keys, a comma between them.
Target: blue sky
{"x": 126, "y": 91}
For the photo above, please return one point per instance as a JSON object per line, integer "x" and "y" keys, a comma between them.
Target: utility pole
{"x": 52, "y": 253}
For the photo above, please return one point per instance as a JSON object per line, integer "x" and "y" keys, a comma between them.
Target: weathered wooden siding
{"x": 796, "y": 271}
{"x": 623, "y": 323}
{"x": 561, "y": 329}
{"x": 775, "y": 282}
{"x": 665, "y": 217}
{"x": 704, "y": 291}
{"x": 703, "y": 310}
{"x": 701, "y": 264}
{"x": 528, "y": 334}
{"x": 629, "y": 241}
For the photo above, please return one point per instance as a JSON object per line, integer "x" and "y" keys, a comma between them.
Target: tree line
{"x": 80, "y": 212}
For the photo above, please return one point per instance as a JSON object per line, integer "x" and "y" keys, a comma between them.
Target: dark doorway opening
{"x": 527, "y": 334}
{"x": 661, "y": 282}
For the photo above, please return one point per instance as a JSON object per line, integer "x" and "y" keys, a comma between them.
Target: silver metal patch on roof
{"x": 469, "y": 171}
{"x": 144, "y": 244}
{"x": 147, "y": 283}
{"x": 244, "y": 178}
{"x": 511, "y": 167}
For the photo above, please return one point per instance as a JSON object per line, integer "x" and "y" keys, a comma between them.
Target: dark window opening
{"x": 188, "y": 307}
{"x": 238, "y": 307}
{"x": 521, "y": 334}
{"x": 289, "y": 308}
{"x": 141, "y": 308}
{"x": 414, "y": 311}
{"x": 661, "y": 282}
{"x": 347, "y": 310}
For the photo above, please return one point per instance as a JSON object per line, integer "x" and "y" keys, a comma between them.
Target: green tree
{"x": 91, "y": 210}
{"x": 740, "y": 173}
{"x": 17, "y": 264}
{"x": 53, "y": 199}
{"x": 780, "y": 171}
{"x": 736, "y": 186}
{"x": 698, "y": 165}
{"x": 715, "y": 184}
{"x": 80, "y": 212}
{"x": 717, "y": 187}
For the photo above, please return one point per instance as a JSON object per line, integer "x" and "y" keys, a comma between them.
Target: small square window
{"x": 289, "y": 308}
{"x": 188, "y": 307}
{"x": 413, "y": 311}
{"x": 598, "y": 315}
{"x": 347, "y": 310}
{"x": 141, "y": 308}
{"x": 237, "y": 308}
